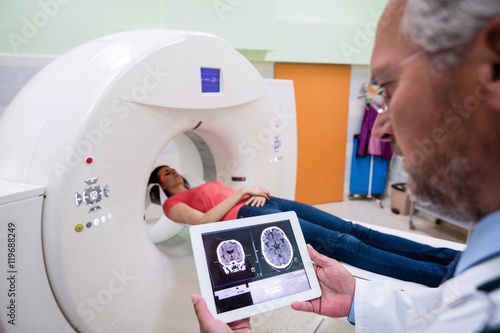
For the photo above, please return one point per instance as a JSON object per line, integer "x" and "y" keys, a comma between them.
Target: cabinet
{"x": 368, "y": 175}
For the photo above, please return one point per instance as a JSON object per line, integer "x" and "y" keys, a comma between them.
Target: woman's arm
{"x": 182, "y": 213}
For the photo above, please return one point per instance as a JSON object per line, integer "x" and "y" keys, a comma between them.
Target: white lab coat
{"x": 456, "y": 306}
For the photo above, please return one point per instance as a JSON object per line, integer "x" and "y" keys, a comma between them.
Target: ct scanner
{"x": 78, "y": 144}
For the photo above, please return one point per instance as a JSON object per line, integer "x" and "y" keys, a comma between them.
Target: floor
{"x": 290, "y": 321}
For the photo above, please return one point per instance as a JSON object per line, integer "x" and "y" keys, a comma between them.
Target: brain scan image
{"x": 231, "y": 256}
{"x": 276, "y": 248}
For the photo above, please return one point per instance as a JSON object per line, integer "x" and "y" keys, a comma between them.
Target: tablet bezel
{"x": 204, "y": 278}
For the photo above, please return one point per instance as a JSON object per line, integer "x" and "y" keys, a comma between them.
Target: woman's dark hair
{"x": 154, "y": 178}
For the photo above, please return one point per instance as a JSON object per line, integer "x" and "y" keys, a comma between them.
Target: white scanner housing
{"x": 78, "y": 144}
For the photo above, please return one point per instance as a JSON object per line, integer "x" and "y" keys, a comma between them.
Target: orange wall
{"x": 322, "y": 101}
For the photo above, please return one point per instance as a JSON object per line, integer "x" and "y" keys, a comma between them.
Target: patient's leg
{"x": 351, "y": 250}
{"x": 383, "y": 241}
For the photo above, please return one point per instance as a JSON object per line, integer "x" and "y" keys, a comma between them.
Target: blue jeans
{"x": 363, "y": 247}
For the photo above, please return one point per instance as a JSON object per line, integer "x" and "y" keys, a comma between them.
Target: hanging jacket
{"x": 382, "y": 148}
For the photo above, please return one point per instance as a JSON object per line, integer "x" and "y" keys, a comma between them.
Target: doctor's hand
{"x": 337, "y": 285}
{"x": 208, "y": 324}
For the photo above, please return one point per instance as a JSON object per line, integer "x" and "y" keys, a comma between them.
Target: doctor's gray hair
{"x": 446, "y": 28}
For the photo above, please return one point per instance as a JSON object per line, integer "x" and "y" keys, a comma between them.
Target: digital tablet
{"x": 252, "y": 265}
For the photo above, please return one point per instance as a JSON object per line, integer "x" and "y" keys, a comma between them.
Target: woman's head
{"x": 167, "y": 178}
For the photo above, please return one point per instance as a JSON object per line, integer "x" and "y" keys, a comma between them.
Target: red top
{"x": 204, "y": 198}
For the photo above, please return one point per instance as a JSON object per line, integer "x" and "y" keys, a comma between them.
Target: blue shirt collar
{"x": 483, "y": 244}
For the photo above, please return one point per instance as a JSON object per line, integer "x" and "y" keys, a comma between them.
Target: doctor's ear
{"x": 493, "y": 41}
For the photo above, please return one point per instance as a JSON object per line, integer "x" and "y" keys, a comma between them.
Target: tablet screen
{"x": 253, "y": 261}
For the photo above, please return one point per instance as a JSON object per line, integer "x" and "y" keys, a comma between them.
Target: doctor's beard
{"x": 447, "y": 185}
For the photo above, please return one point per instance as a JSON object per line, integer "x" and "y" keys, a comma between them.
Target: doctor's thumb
{"x": 200, "y": 308}
{"x": 317, "y": 258}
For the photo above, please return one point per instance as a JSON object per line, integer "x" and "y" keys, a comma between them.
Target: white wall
{"x": 359, "y": 75}
{"x": 306, "y": 31}
{"x": 15, "y": 72}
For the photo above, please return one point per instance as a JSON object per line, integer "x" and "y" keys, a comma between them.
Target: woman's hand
{"x": 337, "y": 285}
{"x": 256, "y": 201}
{"x": 208, "y": 324}
{"x": 256, "y": 191}
{"x": 258, "y": 195}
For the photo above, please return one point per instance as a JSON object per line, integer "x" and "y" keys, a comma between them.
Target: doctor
{"x": 437, "y": 64}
